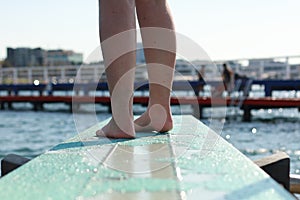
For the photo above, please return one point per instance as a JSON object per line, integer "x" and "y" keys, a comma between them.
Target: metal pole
{"x": 15, "y": 76}
{"x": 288, "y": 69}
{"x": 62, "y": 74}
{"x": 1, "y": 75}
{"x": 29, "y": 72}
{"x": 46, "y": 78}
{"x": 95, "y": 74}
{"x": 261, "y": 70}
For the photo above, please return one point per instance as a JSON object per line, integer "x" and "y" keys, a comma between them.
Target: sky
{"x": 228, "y": 29}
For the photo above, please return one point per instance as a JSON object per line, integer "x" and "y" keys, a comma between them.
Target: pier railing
{"x": 59, "y": 74}
{"x": 278, "y": 68}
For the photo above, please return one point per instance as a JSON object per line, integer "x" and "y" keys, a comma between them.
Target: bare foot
{"x": 156, "y": 118}
{"x": 111, "y": 130}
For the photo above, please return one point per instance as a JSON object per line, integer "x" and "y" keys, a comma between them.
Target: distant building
{"x": 269, "y": 68}
{"x": 21, "y": 57}
{"x": 62, "y": 57}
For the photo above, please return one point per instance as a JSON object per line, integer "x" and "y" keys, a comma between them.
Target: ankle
{"x": 165, "y": 105}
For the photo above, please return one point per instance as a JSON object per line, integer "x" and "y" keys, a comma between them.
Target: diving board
{"x": 189, "y": 162}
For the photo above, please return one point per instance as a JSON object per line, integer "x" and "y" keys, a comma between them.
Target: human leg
{"x": 160, "y": 63}
{"x": 118, "y": 17}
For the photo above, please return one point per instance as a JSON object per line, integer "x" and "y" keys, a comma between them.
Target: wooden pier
{"x": 189, "y": 162}
{"x": 45, "y": 95}
{"x": 269, "y": 86}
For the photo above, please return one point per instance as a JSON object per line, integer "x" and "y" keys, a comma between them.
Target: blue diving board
{"x": 189, "y": 162}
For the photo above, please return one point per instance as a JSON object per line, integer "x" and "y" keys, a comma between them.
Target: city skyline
{"x": 226, "y": 31}
{"x": 24, "y": 57}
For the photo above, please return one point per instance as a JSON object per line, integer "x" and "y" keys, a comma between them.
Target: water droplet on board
{"x": 109, "y": 190}
{"x": 123, "y": 191}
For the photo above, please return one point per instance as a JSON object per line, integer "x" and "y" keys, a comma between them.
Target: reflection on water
{"x": 269, "y": 132}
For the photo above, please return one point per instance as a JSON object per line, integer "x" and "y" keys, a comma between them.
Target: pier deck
{"x": 189, "y": 162}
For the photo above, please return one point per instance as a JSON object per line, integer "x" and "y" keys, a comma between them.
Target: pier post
{"x": 38, "y": 106}
{"x": 70, "y": 108}
{"x": 35, "y": 107}
{"x": 9, "y": 105}
{"x": 2, "y": 106}
{"x": 197, "y": 111}
{"x": 42, "y": 106}
{"x": 75, "y": 106}
{"x": 247, "y": 114}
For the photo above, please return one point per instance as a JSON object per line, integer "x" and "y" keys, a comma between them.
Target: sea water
{"x": 28, "y": 133}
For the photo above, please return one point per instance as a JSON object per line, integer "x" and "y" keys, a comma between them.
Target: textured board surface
{"x": 189, "y": 162}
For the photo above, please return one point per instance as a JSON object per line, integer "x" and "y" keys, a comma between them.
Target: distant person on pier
{"x": 228, "y": 78}
{"x": 118, "y": 32}
{"x": 201, "y": 82}
{"x": 243, "y": 81}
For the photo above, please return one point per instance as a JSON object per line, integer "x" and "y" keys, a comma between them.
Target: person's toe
{"x": 100, "y": 133}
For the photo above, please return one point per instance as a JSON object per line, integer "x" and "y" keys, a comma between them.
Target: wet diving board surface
{"x": 189, "y": 162}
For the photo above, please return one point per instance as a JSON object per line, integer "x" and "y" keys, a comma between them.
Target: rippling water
{"x": 29, "y": 133}
{"x": 266, "y": 135}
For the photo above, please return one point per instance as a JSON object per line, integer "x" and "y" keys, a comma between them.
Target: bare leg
{"x": 160, "y": 64}
{"x": 117, "y": 16}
